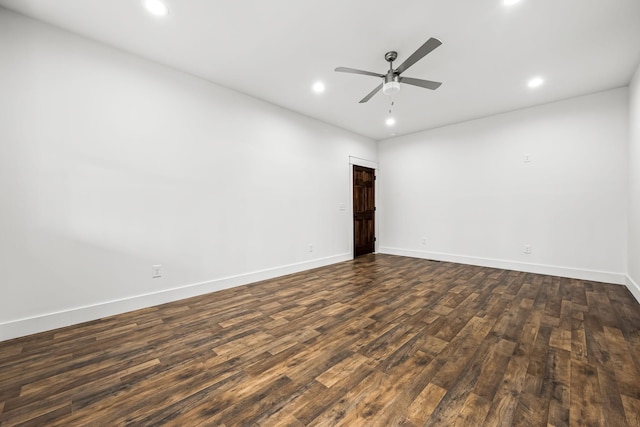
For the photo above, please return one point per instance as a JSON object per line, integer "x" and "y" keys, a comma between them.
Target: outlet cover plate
{"x": 156, "y": 271}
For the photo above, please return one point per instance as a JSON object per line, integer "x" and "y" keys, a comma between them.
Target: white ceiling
{"x": 275, "y": 50}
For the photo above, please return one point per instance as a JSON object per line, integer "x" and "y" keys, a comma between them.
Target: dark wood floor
{"x": 381, "y": 340}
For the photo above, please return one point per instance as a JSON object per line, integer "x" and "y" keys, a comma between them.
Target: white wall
{"x": 633, "y": 253}
{"x": 466, "y": 189}
{"x": 110, "y": 164}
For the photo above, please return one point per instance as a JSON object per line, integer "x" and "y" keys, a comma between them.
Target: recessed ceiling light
{"x": 156, "y": 7}
{"x": 318, "y": 87}
{"x": 390, "y": 121}
{"x": 535, "y": 82}
{"x": 510, "y": 2}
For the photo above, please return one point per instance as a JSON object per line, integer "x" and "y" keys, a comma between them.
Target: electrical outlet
{"x": 526, "y": 158}
{"x": 156, "y": 271}
{"x": 423, "y": 241}
{"x": 527, "y": 249}
{"x": 310, "y": 248}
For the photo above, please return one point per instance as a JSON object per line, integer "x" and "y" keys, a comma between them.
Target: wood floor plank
{"x": 631, "y": 410}
{"x": 452, "y": 405}
{"x": 557, "y": 387}
{"x": 341, "y": 370}
{"x": 586, "y": 403}
{"x": 424, "y": 405}
{"x": 379, "y": 340}
{"x": 612, "y": 407}
{"x": 328, "y": 404}
{"x": 506, "y": 399}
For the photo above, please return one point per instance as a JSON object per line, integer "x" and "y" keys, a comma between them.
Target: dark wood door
{"x": 364, "y": 207}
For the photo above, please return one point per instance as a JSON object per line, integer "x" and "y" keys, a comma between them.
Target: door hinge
{"x": 374, "y": 208}
{"x": 375, "y": 239}
{"x": 375, "y": 177}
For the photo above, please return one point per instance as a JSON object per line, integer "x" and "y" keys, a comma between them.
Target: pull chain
{"x": 390, "y": 120}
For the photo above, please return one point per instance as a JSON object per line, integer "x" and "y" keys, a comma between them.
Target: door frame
{"x": 371, "y": 165}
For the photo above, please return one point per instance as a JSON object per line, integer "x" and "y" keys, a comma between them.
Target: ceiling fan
{"x": 393, "y": 78}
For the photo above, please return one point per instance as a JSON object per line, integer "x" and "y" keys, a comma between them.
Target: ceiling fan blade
{"x": 354, "y": 71}
{"x": 427, "y": 47}
{"x": 419, "y": 82}
{"x": 373, "y": 92}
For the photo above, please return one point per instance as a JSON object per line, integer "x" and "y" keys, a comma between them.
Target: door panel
{"x": 363, "y": 210}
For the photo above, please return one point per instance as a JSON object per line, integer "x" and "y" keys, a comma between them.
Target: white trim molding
{"x": 634, "y": 288}
{"x": 363, "y": 162}
{"x": 574, "y": 273}
{"x": 49, "y": 321}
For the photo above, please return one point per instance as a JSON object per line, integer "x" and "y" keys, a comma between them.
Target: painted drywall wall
{"x": 633, "y": 253}
{"x": 111, "y": 164}
{"x": 466, "y": 192}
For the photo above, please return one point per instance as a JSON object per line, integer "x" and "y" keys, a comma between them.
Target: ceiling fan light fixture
{"x": 391, "y": 88}
{"x": 391, "y": 84}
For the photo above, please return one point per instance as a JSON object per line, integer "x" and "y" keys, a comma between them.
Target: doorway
{"x": 364, "y": 207}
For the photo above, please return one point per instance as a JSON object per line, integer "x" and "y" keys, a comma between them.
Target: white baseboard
{"x": 574, "y": 273}
{"x": 49, "y": 321}
{"x": 634, "y": 288}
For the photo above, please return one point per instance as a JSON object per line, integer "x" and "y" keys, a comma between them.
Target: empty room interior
{"x": 285, "y": 213}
